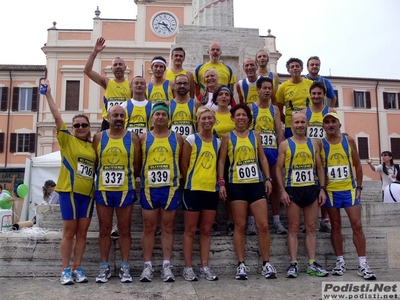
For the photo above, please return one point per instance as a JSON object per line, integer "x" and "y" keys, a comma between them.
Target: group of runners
{"x": 192, "y": 144}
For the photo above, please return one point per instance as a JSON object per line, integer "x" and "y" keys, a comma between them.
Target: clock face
{"x": 164, "y": 24}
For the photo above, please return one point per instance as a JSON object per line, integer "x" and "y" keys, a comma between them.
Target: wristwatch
{"x": 323, "y": 187}
{"x": 359, "y": 188}
{"x": 268, "y": 179}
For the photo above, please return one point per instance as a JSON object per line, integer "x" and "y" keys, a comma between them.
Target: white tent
{"x": 37, "y": 171}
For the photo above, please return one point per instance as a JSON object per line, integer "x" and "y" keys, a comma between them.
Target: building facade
{"x": 368, "y": 107}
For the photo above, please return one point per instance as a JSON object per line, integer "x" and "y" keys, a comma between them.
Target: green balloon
{"x": 4, "y": 204}
{"x": 7, "y": 192}
{"x": 22, "y": 190}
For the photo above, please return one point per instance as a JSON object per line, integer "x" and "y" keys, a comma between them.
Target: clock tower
{"x": 159, "y": 20}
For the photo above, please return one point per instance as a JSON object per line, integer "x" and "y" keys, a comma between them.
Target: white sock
{"x": 340, "y": 258}
{"x": 362, "y": 259}
{"x": 148, "y": 263}
{"x": 165, "y": 262}
{"x": 276, "y": 218}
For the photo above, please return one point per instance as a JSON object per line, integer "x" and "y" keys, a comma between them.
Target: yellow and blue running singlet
{"x": 115, "y": 94}
{"x": 337, "y": 161}
{"x": 116, "y": 161}
{"x": 183, "y": 117}
{"x": 77, "y": 164}
{"x": 315, "y": 119}
{"x": 243, "y": 157}
{"x": 138, "y": 117}
{"x": 159, "y": 93}
{"x": 160, "y": 158}
{"x": 202, "y": 172}
{"x": 300, "y": 164}
{"x": 264, "y": 120}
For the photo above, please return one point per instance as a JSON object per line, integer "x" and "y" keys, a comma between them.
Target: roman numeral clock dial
{"x": 164, "y": 24}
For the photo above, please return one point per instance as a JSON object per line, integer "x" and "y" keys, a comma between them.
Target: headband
{"x": 159, "y": 107}
{"x": 158, "y": 61}
{"x": 224, "y": 88}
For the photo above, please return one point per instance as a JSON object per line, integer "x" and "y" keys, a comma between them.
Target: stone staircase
{"x": 36, "y": 253}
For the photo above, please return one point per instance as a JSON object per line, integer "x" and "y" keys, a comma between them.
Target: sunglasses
{"x": 77, "y": 125}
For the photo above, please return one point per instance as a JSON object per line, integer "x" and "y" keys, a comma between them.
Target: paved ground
{"x": 304, "y": 287}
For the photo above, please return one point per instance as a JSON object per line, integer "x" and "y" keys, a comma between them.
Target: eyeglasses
{"x": 77, "y": 125}
{"x": 181, "y": 83}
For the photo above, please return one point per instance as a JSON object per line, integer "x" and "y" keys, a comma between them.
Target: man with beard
{"x": 159, "y": 89}
{"x": 118, "y": 152}
{"x": 177, "y": 59}
{"x": 339, "y": 155}
{"x": 117, "y": 89}
{"x": 182, "y": 108}
{"x": 226, "y": 76}
{"x": 137, "y": 109}
{"x": 313, "y": 67}
{"x": 246, "y": 88}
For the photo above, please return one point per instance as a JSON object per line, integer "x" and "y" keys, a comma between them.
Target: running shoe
{"x": 124, "y": 273}
{"x": 215, "y": 230}
{"x": 104, "y": 274}
{"x": 325, "y": 226}
{"x": 66, "y": 277}
{"x": 251, "y": 228}
{"x": 207, "y": 274}
{"x": 79, "y": 275}
{"x": 229, "y": 228}
{"x": 268, "y": 271}
{"x": 292, "y": 271}
{"x": 188, "y": 274}
{"x": 316, "y": 270}
{"x": 279, "y": 228}
{"x": 340, "y": 268}
{"x": 241, "y": 272}
{"x": 166, "y": 273}
{"x": 147, "y": 273}
{"x": 365, "y": 272}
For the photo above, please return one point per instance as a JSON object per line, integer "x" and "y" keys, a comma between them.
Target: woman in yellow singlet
{"x": 199, "y": 169}
{"x": 245, "y": 187}
{"x": 75, "y": 189}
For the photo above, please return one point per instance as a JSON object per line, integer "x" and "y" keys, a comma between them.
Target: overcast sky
{"x": 357, "y": 38}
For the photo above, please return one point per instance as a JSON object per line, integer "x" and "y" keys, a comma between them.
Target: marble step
{"x": 33, "y": 253}
{"x": 374, "y": 214}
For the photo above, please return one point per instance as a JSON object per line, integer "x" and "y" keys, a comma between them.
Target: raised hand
{"x": 99, "y": 46}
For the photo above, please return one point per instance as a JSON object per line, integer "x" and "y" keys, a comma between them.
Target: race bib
{"x": 268, "y": 140}
{"x": 113, "y": 176}
{"x": 315, "y": 132}
{"x": 158, "y": 177}
{"x": 183, "y": 130}
{"x": 136, "y": 129}
{"x": 303, "y": 176}
{"x": 338, "y": 173}
{"x": 113, "y": 103}
{"x": 247, "y": 172}
{"x": 85, "y": 168}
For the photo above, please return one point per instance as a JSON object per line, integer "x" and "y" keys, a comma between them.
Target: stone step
{"x": 374, "y": 214}
{"x": 30, "y": 253}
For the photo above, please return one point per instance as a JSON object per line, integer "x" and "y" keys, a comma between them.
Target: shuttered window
{"x": 72, "y": 95}
{"x": 363, "y": 147}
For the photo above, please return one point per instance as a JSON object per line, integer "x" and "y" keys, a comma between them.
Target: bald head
{"x": 214, "y": 51}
